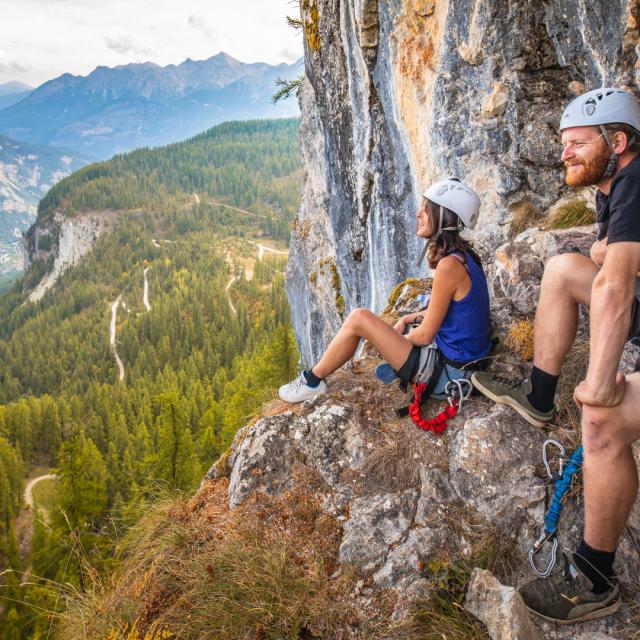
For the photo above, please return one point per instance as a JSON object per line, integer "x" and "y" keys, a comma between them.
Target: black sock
{"x": 543, "y": 389}
{"x": 596, "y": 565}
{"x": 311, "y": 378}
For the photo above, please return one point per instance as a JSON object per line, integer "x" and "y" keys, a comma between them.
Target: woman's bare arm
{"x": 450, "y": 276}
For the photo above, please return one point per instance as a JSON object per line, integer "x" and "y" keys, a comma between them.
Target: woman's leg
{"x": 362, "y": 323}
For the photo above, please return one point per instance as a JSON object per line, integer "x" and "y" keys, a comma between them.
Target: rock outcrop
{"x": 64, "y": 241}
{"x": 400, "y": 94}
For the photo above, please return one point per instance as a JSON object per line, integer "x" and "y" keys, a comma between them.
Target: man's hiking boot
{"x": 298, "y": 390}
{"x": 511, "y": 392}
{"x": 567, "y": 597}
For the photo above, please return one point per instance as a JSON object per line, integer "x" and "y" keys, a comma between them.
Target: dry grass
{"x": 575, "y": 213}
{"x": 195, "y": 569}
{"x": 523, "y": 216}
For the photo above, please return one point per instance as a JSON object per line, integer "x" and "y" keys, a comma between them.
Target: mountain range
{"x": 12, "y": 92}
{"x": 114, "y": 110}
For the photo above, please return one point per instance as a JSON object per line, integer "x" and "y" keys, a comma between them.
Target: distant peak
{"x": 225, "y": 57}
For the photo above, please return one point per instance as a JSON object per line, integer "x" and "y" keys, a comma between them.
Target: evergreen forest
{"x": 209, "y": 344}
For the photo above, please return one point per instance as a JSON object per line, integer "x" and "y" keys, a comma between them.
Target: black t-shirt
{"x": 618, "y": 214}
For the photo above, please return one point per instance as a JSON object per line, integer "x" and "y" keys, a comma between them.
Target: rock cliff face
{"x": 401, "y": 93}
{"x": 62, "y": 242}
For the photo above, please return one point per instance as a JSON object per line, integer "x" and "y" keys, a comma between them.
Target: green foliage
{"x": 248, "y": 164}
{"x": 287, "y": 88}
{"x": 195, "y": 371}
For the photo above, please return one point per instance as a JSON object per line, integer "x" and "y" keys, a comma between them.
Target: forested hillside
{"x": 200, "y": 352}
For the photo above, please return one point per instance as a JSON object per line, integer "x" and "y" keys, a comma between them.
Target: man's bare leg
{"x": 566, "y": 283}
{"x": 362, "y": 323}
{"x": 610, "y": 472}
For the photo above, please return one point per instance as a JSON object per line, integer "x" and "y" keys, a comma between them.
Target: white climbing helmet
{"x": 459, "y": 198}
{"x": 602, "y": 106}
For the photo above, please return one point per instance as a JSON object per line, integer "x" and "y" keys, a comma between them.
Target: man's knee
{"x": 601, "y": 436}
{"x": 561, "y": 269}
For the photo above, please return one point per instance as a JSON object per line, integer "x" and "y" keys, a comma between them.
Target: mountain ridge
{"x": 116, "y": 109}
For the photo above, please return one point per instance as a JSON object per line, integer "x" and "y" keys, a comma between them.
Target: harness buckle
{"x": 561, "y": 458}
{"x": 535, "y": 548}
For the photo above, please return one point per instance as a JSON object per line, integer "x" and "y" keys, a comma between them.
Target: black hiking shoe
{"x": 511, "y": 392}
{"x": 567, "y": 597}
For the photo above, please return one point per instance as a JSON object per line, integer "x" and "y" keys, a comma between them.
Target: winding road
{"x": 28, "y": 491}
{"x": 112, "y": 335}
{"x": 145, "y": 295}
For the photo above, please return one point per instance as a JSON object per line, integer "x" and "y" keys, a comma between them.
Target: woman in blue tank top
{"x": 457, "y": 315}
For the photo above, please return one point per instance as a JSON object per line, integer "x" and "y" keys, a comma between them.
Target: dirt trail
{"x": 28, "y": 491}
{"x": 145, "y": 295}
{"x": 112, "y": 335}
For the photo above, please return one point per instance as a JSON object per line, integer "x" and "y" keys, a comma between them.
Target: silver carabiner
{"x": 561, "y": 459}
{"x": 536, "y": 546}
{"x": 458, "y": 384}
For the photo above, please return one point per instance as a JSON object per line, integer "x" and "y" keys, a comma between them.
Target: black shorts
{"x": 408, "y": 370}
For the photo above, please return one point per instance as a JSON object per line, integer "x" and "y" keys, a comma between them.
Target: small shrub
{"x": 311, "y": 28}
{"x": 519, "y": 339}
{"x": 575, "y": 213}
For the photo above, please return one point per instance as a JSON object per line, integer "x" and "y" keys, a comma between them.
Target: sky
{"x": 42, "y": 39}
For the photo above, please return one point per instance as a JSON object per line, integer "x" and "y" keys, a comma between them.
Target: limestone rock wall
{"x": 404, "y": 92}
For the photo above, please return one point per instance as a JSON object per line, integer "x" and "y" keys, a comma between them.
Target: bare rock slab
{"x": 500, "y": 608}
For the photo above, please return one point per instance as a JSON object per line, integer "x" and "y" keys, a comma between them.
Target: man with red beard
{"x": 601, "y": 141}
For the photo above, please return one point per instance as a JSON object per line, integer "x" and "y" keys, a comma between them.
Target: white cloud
{"x": 199, "y": 23}
{"x": 125, "y": 45}
{"x": 47, "y": 38}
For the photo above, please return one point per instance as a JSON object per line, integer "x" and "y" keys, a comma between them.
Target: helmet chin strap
{"x": 433, "y": 238}
{"x": 610, "y": 169}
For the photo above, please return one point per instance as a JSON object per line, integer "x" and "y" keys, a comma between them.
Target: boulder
{"x": 499, "y": 607}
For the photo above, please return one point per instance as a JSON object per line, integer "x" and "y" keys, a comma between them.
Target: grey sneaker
{"x": 298, "y": 390}
{"x": 567, "y": 597}
{"x": 511, "y": 392}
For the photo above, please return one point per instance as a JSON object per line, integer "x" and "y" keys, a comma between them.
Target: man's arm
{"x": 611, "y": 298}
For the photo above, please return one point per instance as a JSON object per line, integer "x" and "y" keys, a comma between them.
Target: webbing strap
{"x": 437, "y": 424}
{"x": 561, "y": 486}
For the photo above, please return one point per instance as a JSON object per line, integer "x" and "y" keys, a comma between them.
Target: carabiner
{"x": 536, "y": 546}
{"x": 457, "y": 385}
{"x": 561, "y": 459}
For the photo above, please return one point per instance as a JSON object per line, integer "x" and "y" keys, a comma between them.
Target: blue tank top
{"x": 464, "y": 335}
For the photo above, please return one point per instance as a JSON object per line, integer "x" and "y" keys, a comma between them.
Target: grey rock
{"x": 402, "y": 93}
{"x": 330, "y": 441}
{"x": 263, "y": 459}
{"x": 407, "y": 560}
{"x": 500, "y": 608}
{"x": 375, "y": 523}
{"x": 492, "y": 462}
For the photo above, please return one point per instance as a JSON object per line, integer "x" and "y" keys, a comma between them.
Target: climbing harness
{"x": 562, "y": 483}
{"x": 457, "y": 392}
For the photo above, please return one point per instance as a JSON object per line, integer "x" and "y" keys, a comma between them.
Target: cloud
{"x": 289, "y": 55}
{"x": 125, "y": 45}
{"x": 14, "y": 66}
{"x": 199, "y": 23}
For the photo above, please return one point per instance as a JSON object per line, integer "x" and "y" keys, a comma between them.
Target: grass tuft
{"x": 196, "y": 569}
{"x": 523, "y": 216}
{"x": 575, "y": 213}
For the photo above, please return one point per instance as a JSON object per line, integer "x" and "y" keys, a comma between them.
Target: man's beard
{"x": 586, "y": 173}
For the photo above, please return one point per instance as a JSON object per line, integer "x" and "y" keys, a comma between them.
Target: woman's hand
{"x": 400, "y": 326}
